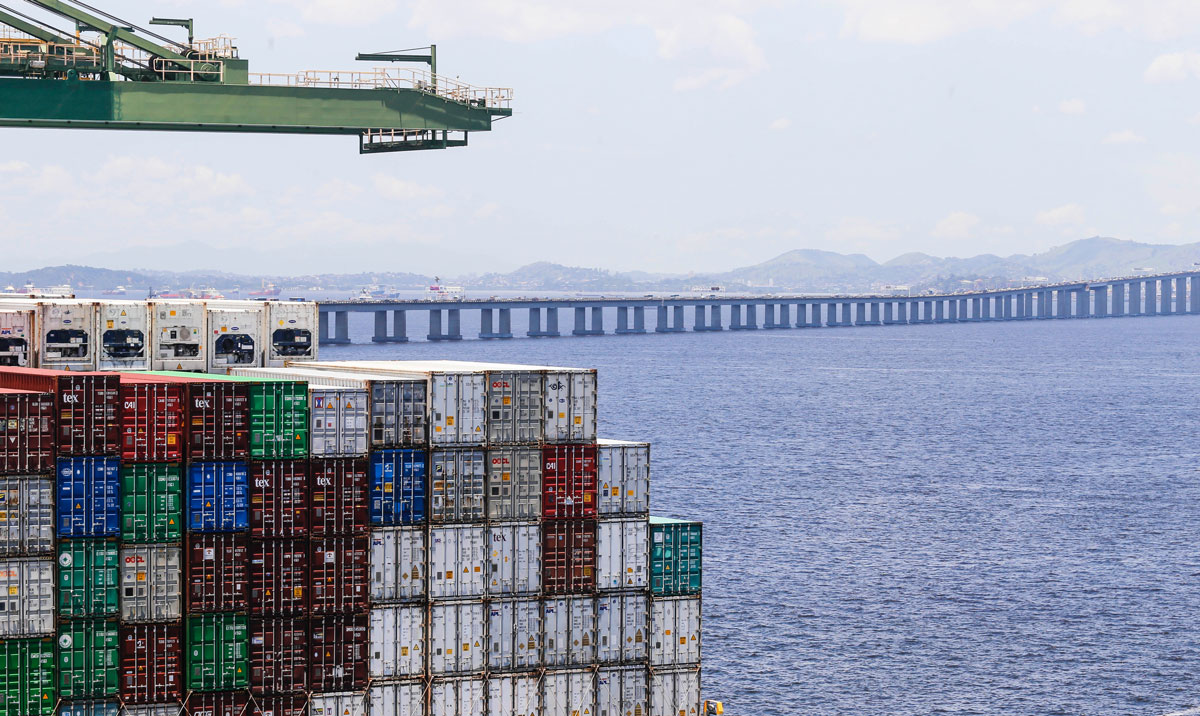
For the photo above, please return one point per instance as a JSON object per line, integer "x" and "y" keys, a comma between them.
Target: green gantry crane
{"x": 106, "y": 73}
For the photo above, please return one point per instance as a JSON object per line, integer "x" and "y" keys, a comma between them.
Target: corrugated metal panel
{"x": 88, "y": 659}
{"x": 675, "y": 631}
{"x": 457, "y": 408}
{"x": 675, "y": 693}
{"x": 398, "y": 487}
{"x": 171, "y": 709}
{"x": 397, "y": 699}
{"x": 514, "y": 483}
{"x": 151, "y": 663}
{"x": 291, "y": 331}
{"x": 279, "y": 577}
{"x": 623, "y": 628}
{"x": 87, "y": 578}
{"x": 123, "y": 328}
{"x": 279, "y": 420}
{"x": 217, "y": 573}
{"x": 217, "y": 497}
{"x": 571, "y": 406}
{"x": 27, "y": 679}
{"x": 338, "y": 653}
{"x": 152, "y": 421}
{"x": 340, "y": 496}
{"x": 89, "y": 708}
{"x": 228, "y": 703}
{"x": 235, "y": 338}
{"x": 27, "y": 432}
{"x": 569, "y": 557}
{"x": 456, "y": 485}
{"x": 515, "y": 695}
{"x": 67, "y": 334}
{"x": 569, "y": 481}
{"x": 675, "y": 557}
{"x": 397, "y": 641}
{"x": 622, "y": 554}
{"x": 514, "y": 558}
{"x": 456, "y": 637}
{"x": 622, "y": 691}
{"x": 568, "y": 693}
{"x": 89, "y": 497}
{"x": 457, "y": 697}
{"x": 456, "y": 562}
{"x": 26, "y": 516}
{"x": 218, "y": 655}
{"x": 279, "y": 498}
{"x": 278, "y": 655}
{"x": 515, "y": 405}
{"x": 339, "y": 421}
{"x": 151, "y": 583}
{"x": 623, "y": 476}
{"x": 279, "y": 705}
{"x": 399, "y": 416}
{"x": 349, "y": 704}
{"x": 570, "y": 625}
{"x": 151, "y": 503}
{"x": 26, "y": 597}
{"x": 339, "y": 575}
{"x": 16, "y": 338}
{"x": 178, "y": 335}
{"x": 218, "y": 420}
{"x": 514, "y": 634}
{"x": 88, "y": 415}
{"x": 398, "y": 563}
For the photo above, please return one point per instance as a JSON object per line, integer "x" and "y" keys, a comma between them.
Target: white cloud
{"x": 1127, "y": 136}
{"x": 394, "y": 188}
{"x": 13, "y": 166}
{"x": 858, "y": 233}
{"x": 1174, "y": 67}
{"x": 1072, "y": 106}
{"x": 1065, "y": 215}
{"x": 780, "y": 124}
{"x": 957, "y": 225}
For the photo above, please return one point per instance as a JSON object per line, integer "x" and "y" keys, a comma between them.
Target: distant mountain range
{"x": 799, "y": 270}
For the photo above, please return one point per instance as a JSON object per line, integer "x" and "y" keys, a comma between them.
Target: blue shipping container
{"x": 89, "y": 708}
{"x": 217, "y": 497}
{"x": 398, "y": 487}
{"x": 89, "y": 497}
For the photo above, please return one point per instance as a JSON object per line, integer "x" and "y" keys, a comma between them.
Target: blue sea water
{"x": 944, "y": 519}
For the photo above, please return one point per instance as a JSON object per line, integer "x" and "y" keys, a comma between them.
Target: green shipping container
{"x": 87, "y": 659}
{"x": 675, "y": 547}
{"x": 218, "y": 652}
{"x": 151, "y": 503}
{"x": 87, "y": 578}
{"x": 27, "y": 677}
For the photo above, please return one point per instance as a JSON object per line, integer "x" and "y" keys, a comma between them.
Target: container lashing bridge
{"x": 107, "y": 73}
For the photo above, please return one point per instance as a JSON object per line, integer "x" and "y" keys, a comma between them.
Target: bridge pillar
{"x": 399, "y": 332}
{"x": 581, "y": 322}
{"x": 680, "y": 322}
{"x": 1150, "y": 298}
{"x": 860, "y": 314}
{"x": 785, "y": 316}
{"x": 338, "y": 333}
{"x": 1180, "y": 294}
{"x": 435, "y": 326}
{"x": 486, "y": 329}
{"x": 801, "y": 315}
{"x": 735, "y": 317}
{"x": 1062, "y": 303}
{"x": 1118, "y": 300}
{"x": 623, "y": 320}
{"x": 751, "y": 322}
{"x": 952, "y": 310}
{"x": 939, "y": 311}
{"x": 1019, "y": 312}
{"x": 535, "y": 323}
{"x": 1135, "y": 298}
{"x": 1100, "y": 302}
{"x": 698, "y": 318}
{"x": 1164, "y": 297}
{"x": 1194, "y": 302}
{"x": 876, "y": 313}
{"x": 927, "y": 309}
{"x": 889, "y": 313}
{"x": 662, "y": 325}
{"x": 714, "y": 317}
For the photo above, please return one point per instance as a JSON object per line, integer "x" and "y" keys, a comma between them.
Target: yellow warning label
{"x": 110, "y": 324}
{"x": 123, "y": 312}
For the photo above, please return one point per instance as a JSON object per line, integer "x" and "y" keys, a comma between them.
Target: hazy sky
{"x": 668, "y": 135}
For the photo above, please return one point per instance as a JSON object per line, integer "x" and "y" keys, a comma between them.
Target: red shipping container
{"x": 569, "y": 482}
{"x": 217, "y": 426}
{"x": 26, "y": 432}
{"x": 279, "y": 705}
{"x": 278, "y": 655}
{"x": 279, "y": 498}
{"x": 340, "y": 495}
{"x": 87, "y": 407}
{"x": 339, "y": 575}
{"x": 217, "y": 572}
{"x": 221, "y": 703}
{"x": 152, "y": 420}
{"x": 338, "y": 653}
{"x": 151, "y": 663}
{"x": 569, "y": 557}
{"x": 279, "y": 577}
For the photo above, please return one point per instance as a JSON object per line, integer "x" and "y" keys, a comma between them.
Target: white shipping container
{"x": 396, "y": 699}
{"x": 622, "y": 625}
{"x": 514, "y": 559}
{"x": 623, "y": 554}
{"x": 151, "y": 583}
{"x": 457, "y": 697}
{"x": 157, "y": 710}
{"x": 623, "y": 478}
{"x": 397, "y": 641}
{"x": 398, "y": 562}
{"x": 456, "y": 491}
{"x": 17, "y": 337}
{"x": 675, "y": 693}
{"x": 178, "y": 335}
{"x": 346, "y": 704}
{"x": 339, "y": 421}
{"x": 26, "y": 516}
{"x": 457, "y": 559}
{"x": 456, "y": 408}
{"x": 291, "y": 330}
{"x": 570, "y": 406}
{"x": 515, "y": 400}
{"x": 514, "y": 483}
{"x": 26, "y": 597}
{"x": 67, "y": 334}
{"x": 514, "y": 634}
{"x": 675, "y": 631}
{"x": 124, "y": 328}
{"x": 234, "y": 337}
{"x": 622, "y": 691}
{"x": 514, "y": 695}
{"x": 568, "y": 693}
{"x": 570, "y": 626}
{"x": 456, "y": 637}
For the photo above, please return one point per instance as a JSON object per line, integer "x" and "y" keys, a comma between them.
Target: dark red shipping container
{"x": 278, "y": 655}
{"x": 26, "y": 432}
{"x": 279, "y": 705}
{"x": 217, "y": 572}
{"x": 569, "y": 482}
{"x": 152, "y": 420}
{"x": 217, "y": 423}
{"x": 569, "y": 557}
{"x": 151, "y": 663}
{"x": 279, "y": 498}
{"x": 340, "y": 497}
{"x": 219, "y": 703}
{"x": 279, "y": 577}
{"x": 87, "y": 407}
{"x": 340, "y": 568}
{"x": 338, "y": 653}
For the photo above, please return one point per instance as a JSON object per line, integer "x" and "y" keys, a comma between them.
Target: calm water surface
{"x": 966, "y": 519}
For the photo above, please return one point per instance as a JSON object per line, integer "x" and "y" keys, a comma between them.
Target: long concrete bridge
{"x": 1160, "y": 294}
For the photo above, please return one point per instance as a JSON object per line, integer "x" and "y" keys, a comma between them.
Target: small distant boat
{"x": 268, "y": 289}
{"x": 118, "y": 291}
{"x": 439, "y": 292}
{"x": 210, "y": 294}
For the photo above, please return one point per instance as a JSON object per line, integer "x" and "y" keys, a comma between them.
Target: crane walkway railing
{"x": 392, "y": 78}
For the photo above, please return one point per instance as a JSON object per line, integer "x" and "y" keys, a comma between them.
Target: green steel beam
{"x": 61, "y": 8}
